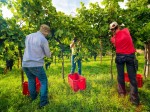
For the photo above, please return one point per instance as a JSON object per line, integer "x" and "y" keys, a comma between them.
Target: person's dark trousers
{"x": 73, "y": 64}
{"x": 32, "y": 73}
{"x": 128, "y": 60}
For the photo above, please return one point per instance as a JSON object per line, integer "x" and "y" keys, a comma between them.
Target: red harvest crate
{"x": 126, "y": 78}
{"x": 77, "y": 82}
{"x": 139, "y": 79}
{"x": 25, "y": 87}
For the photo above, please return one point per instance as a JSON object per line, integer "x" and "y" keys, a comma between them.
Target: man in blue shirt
{"x": 36, "y": 48}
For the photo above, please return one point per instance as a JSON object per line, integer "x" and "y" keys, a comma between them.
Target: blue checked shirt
{"x": 36, "y": 48}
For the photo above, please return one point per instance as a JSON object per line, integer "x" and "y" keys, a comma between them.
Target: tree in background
{"x": 139, "y": 25}
{"x": 91, "y": 25}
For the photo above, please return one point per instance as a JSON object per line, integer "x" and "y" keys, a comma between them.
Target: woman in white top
{"x": 75, "y": 48}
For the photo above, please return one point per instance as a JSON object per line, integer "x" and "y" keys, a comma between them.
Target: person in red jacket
{"x": 125, "y": 55}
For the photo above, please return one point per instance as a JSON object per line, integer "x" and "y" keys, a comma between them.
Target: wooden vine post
{"x": 147, "y": 60}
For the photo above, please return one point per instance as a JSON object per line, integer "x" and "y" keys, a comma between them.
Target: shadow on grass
{"x": 14, "y": 72}
{"x": 145, "y": 94}
{"x": 4, "y": 99}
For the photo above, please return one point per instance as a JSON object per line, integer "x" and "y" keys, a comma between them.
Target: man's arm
{"x": 72, "y": 44}
{"x": 46, "y": 49}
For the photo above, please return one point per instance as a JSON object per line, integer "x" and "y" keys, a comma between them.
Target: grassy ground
{"x": 99, "y": 96}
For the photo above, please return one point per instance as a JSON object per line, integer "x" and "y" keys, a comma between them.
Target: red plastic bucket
{"x": 139, "y": 79}
{"x": 26, "y": 90}
{"x": 76, "y": 82}
{"x": 38, "y": 85}
{"x": 126, "y": 78}
{"x": 82, "y": 83}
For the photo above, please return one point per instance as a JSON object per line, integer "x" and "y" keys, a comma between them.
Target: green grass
{"x": 99, "y": 96}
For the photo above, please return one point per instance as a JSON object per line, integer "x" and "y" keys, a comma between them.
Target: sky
{"x": 66, "y": 6}
{"x": 69, "y": 6}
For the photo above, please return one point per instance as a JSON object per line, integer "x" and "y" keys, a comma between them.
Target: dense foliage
{"x": 90, "y": 25}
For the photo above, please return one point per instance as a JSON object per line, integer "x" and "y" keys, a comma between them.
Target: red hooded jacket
{"x": 122, "y": 41}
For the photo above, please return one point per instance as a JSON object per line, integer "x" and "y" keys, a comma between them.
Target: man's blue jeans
{"x": 121, "y": 60}
{"x": 32, "y": 73}
{"x": 73, "y": 63}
